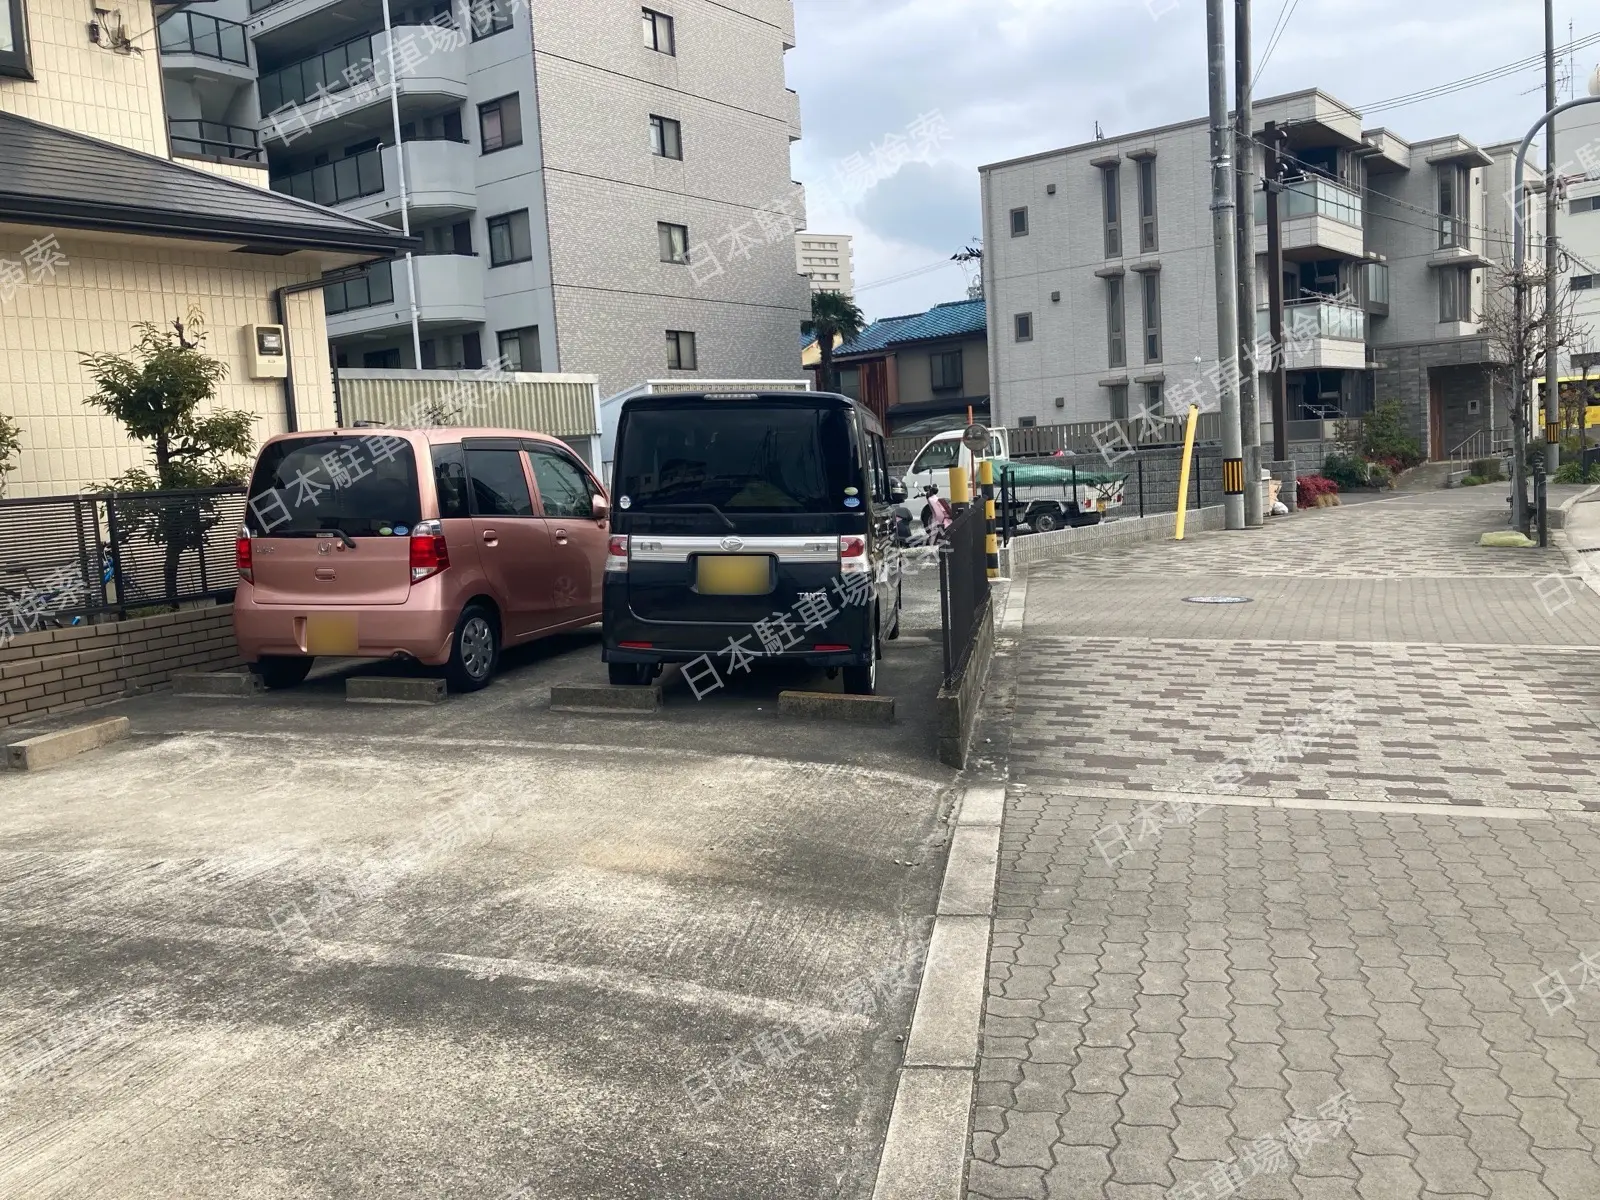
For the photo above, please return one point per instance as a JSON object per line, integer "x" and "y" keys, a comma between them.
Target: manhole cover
{"x": 1216, "y": 599}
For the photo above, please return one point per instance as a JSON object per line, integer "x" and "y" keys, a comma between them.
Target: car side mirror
{"x": 897, "y": 491}
{"x": 601, "y": 508}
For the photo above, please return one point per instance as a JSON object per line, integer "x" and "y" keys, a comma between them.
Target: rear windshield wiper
{"x": 698, "y": 508}
{"x": 350, "y": 542}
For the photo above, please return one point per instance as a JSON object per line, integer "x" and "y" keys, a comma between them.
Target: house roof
{"x": 57, "y": 177}
{"x": 958, "y": 318}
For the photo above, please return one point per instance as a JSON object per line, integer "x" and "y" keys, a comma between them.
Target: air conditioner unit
{"x": 265, "y": 350}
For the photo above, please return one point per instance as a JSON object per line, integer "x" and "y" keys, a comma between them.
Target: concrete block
{"x": 970, "y": 872}
{"x": 925, "y": 1151}
{"x": 605, "y": 698}
{"x": 944, "y": 1029}
{"x": 48, "y": 749}
{"x": 217, "y": 683}
{"x": 837, "y": 706}
{"x": 383, "y": 689}
{"x": 983, "y": 804}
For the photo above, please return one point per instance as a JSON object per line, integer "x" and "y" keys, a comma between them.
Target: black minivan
{"x": 747, "y": 526}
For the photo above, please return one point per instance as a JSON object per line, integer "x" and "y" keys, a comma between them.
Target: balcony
{"x": 439, "y": 177}
{"x": 449, "y": 290}
{"x": 213, "y": 141}
{"x": 199, "y": 46}
{"x": 1319, "y": 217}
{"x": 792, "y": 111}
{"x": 342, "y": 93}
{"x": 1318, "y": 335}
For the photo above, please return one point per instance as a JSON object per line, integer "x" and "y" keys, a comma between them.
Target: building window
{"x": 666, "y": 137}
{"x": 1116, "y": 341}
{"x": 1147, "y": 205}
{"x": 1027, "y": 422}
{"x": 519, "y": 348}
{"x": 373, "y": 286}
{"x": 1024, "y": 323}
{"x": 1111, "y": 180}
{"x": 1152, "y": 317}
{"x": 1455, "y": 294}
{"x": 1585, "y": 204}
{"x": 455, "y": 238}
{"x": 1453, "y": 214}
{"x": 1119, "y": 401}
{"x": 658, "y": 32}
{"x": 674, "y": 241}
{"x": 14, "y": 58}
{"x": 453, "y": 352}
{"x": 500, "y": 124}
{"x": 946, "y": 370}
{"x": 1154, "y": 402}
{"x": 1582, "y": 283}
{"x": 1019, "y": 222}
{"x": 488, "y": 17}
{"x": 680, "y": 350}
{"x": 381, "y": 360}
{"x": 509, "y": 240}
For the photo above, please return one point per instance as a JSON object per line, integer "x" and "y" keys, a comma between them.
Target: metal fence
{"x": 963, "y": 590}
{"x": 65, "y": 560}
{"x": 1080, "y": 437}
{"x": 1149, "y": 488}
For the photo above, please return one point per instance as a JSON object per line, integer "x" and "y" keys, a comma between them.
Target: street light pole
{"x": 1244, "y": 225}
{"x": 1552, "y": 385}
{"x": 1222, "y": 236}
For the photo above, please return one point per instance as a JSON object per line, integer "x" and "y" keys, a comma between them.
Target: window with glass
{"x": 1154, "y": 401}
{"x": 666, "y": 137}
{"x": 453, "y": 238}
{"x": 14, "y": 58}
{"x": 1152, "y": 316}
{"x": 946, "y": 370}
{"x": 659, "y": 34}
{"x": 489, "y": 17}
{"x": 680, "y": 350}
{"x": 1019, "y": 222}
{"x": 1024, "y": 327}
{"x": 499, "y": 488}
{"x": 1583, "y": 283}
{"x": 1585, "y": 204}
{"x": 1116, "y": 341}
{"x": 1455, "y": 294}
{"x": 1119, "y": 401}
{"x": 564, "y": 488}
{"x": 1147, "y": 205}
{"x": 674, "y": 242}
{"x": 509, "y": 239}
{"x": 500, "y": 124}
{"x": 1111, "y": 185}
{"x": 1453, "y": 199}
{"x": 519, "y": 349}
{"x": 373, "y": 286}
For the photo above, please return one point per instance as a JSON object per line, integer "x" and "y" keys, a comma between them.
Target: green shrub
{"x": 1384, "y": 436}
{"x": 1486, "y": 468}
{"x": 1571, "y": 471}
{"x": 1345, "y": 471}
{"x": 1379, "y": 475}
{"x": 1474, "y": 481}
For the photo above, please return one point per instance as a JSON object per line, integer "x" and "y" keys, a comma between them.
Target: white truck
{"x": 1044, "y": 493}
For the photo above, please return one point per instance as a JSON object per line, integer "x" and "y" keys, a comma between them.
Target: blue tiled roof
{"x": 958, "y": 318}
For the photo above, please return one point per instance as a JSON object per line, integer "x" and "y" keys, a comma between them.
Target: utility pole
{"x": 1552, "y": 374}
{"x": 1244, "y": 225}
{"x": 1280, "y": 369}
{"x": 1222, "y": 239}
{"x": 405, "y": 202}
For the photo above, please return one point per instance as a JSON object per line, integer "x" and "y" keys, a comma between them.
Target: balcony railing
{"x": 375, "y": 286}
{"x": 1314, "y": 196}
{"x": 1316, "y": 319}
{"x": 210, "y": 37}
{"x": 211, "y": 139}
{"x": 342, "y": 67}
{"x": 336, "y": 182}
{"x": 262, "y": 5}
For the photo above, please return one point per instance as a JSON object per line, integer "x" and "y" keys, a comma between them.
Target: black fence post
{"x": 1140, "y": 463}
{"x": 944, "y": 609}
{"x": 83, "y": 557}
{"x": 114, "y": 534}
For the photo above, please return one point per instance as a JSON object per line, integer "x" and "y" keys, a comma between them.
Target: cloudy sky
{"x": 1013, "y": 77}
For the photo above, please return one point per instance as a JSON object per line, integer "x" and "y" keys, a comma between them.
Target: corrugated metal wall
{"x": 560, "y": 406}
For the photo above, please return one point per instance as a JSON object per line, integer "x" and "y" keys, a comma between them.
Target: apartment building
{"x": 1578, "y": 226}
{"x": 1100, "y": 273}
{"x": 101, "y": 229}
{"x": 827, "y": 260}
{"x": 599, "y": 187}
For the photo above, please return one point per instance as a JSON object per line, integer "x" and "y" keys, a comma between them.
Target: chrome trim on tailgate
{"x": 652, "y": 548}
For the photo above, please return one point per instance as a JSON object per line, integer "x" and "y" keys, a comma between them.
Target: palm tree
{"x": 833, "y": 314}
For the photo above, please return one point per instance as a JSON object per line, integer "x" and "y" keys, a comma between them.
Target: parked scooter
{"x": 936, "y": 515}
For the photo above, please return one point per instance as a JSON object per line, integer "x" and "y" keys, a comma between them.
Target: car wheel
{"x": 1044, "y": 521}
{"x": 630, "y": 674}
{"x": 899, "y": 600}
{"x": 474, "y": 651}
{"x": 283, "y": 671}
{"x": 863, "y": 681}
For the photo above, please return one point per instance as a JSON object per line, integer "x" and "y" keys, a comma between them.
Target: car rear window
{"x": 357, "y": 484}
{"x": 740, "y": 458}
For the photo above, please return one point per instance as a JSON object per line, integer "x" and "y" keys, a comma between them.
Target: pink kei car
{"x": 437, "y": 545}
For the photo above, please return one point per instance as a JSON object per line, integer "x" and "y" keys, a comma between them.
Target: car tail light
{"x": 853, "y": 555}
{"x": 636, "y": 645}
{"x": 244, "y": 558}
{"x": 429, "y": 552}
{"x": 617, "y": 553}
{"x": 830, "y": 648}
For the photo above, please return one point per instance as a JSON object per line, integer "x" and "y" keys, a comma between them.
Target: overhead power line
{"x": 911, "y": 274}
{"x": 1285, "y": 14}
{"x": 1482, "y": 77}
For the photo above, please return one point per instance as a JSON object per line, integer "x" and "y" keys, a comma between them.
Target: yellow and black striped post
{"x": 991, "y": 543}
{"x": 1233, "y": 477}
{"x": 1552, "y": 432}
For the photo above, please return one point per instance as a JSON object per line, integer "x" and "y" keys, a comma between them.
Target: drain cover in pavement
{"x": 1216, "y": 599}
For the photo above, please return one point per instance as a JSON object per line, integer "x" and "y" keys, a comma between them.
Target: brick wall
{"x": 53, "y": 670}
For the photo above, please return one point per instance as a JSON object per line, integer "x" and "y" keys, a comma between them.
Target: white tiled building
{"x": 1578, "y": 226}
{"x": 600, "y": 187}
{"x": 1099, "y": 270}
{"x": 827, "y": 259}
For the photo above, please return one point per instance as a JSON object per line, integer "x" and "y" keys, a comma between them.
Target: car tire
{"x": 630, "y": 674}
{"x": 863, "y": 681}
{"x": 474, "y": 650}
{"x": 1045, "y": 521}
{"x": 899, "y": 610}
{"x": 283, "y": 670}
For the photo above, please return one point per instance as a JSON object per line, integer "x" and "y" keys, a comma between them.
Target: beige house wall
{"x": 91, "y": 89}
{"x": 239, "y": 172}
{"x": 90, "y": 303}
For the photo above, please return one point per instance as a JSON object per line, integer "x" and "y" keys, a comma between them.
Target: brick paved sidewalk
{"x": 1377, "y": 994}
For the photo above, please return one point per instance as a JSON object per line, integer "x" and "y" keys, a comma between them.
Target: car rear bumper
{"x": 627, "y": 638}
{"x": 415, "y": 630}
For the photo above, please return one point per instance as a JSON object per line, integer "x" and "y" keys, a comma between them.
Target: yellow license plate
{"x": 733, "y": 574}
{"x": 332, "y": 634}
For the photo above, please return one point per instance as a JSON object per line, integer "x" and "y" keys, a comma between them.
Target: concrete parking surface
{"x": 293, "y": 947}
